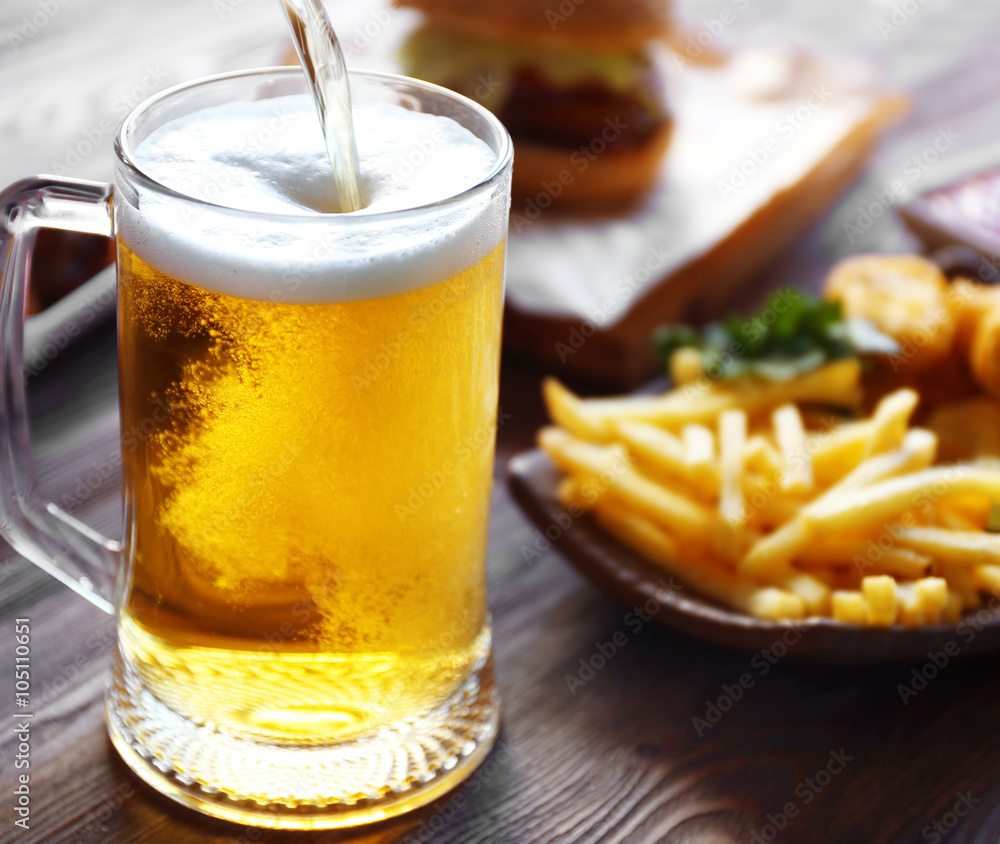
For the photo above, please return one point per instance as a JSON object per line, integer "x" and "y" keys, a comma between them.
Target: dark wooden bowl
{"x": 633, "y": 581}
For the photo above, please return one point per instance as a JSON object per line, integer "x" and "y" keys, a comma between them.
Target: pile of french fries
{"x": 761, "y": 501}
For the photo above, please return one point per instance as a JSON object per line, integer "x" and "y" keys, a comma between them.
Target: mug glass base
{"x": 322, "y": 787}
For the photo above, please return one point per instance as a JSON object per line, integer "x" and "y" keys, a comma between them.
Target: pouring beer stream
{"x": 323, "y": 64}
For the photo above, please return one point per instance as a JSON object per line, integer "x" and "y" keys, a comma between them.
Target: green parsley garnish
{"x": 793, "y": 333}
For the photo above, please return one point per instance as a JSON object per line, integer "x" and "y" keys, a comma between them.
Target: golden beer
{"x": 308, "y": 519}
{"x": 308, "y": 408}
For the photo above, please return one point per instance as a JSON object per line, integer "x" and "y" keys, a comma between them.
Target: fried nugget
{"x": 906, "y": 297}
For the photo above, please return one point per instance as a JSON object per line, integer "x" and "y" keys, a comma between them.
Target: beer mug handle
{"x": 52, "y": 539}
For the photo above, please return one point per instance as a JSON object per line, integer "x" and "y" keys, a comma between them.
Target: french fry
{"x": 678, "y": 514}
{"x": 764, "y": 458}
{"x": 911, "y": 610}
{"x": 849, "y": 607}
{"x": 880, "y": 596}
{"x": 836, "y": 452}
{"x": 901, "y": 562}
{"x": 639, "y": 533}
{"x": 699, "y": 448}
{"x": 778, "y": 548}
{"x": 960, "y": 581}
{"x": 837, "y": 383}
{"x": 828, "y": 577}
{"x": 777, "y": 511}
{"x": 775, "y": 551}
{"x": 569, "y": 412}
{"x": 972, "y": 509}
{"x": 954, "y": 519}
{"x": 986, "y": 578}
{"x": 667, "y": 453}
{"x": 662, "y": 446}
{"x": 773, "y": 513}
{"x": 969, "y": 548}
{"x": 916, "y": 452}
{"x": 875, "y": 504}
{"x": 699, "y": 443}
{"x": 952, "y": 611}
{"x": 709, "y": 578}
{"x": 890, "y": 421}
{"x": 932, "y": 592}
{"x": 775, "y": 604}
{"x": 574, "y": 456}
{"x": 580, "y": 492}
{"x": 791, "y": 436}
{"x": 866, "y": 557}
{"x": 686, "y": 366}
{"x": 814, "y": 593}
{"x": 732, "y": 448}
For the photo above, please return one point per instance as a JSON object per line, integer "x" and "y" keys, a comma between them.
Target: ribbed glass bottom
{"x": 317, "y": 787}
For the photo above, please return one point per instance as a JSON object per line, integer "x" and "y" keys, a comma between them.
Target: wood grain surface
{"x": 668, "y": 739}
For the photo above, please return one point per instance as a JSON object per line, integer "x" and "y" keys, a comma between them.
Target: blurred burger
{"x": 578, "y": 83}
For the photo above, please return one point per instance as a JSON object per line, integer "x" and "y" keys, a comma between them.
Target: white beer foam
{"x": 268, "y": 156}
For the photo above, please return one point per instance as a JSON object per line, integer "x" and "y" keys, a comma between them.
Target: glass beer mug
{"x": 303, "y": 634}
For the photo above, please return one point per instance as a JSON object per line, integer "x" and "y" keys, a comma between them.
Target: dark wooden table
{"x": 805, "y": 752}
